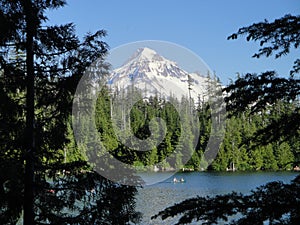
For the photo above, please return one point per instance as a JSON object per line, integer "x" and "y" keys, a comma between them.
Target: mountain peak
{"x": 153, "y": 74}
{"x": 146, "y": 54}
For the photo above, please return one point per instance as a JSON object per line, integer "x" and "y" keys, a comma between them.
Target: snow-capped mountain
{"x": 154, "y": 74}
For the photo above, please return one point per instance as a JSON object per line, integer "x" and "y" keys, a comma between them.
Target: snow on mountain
{"x": 154, "y": 74}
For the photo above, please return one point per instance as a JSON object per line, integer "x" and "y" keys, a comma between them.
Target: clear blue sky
{"x": 199, "y": 25}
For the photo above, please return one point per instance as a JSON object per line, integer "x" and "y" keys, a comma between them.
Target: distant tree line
{"x": 240, "y": 149}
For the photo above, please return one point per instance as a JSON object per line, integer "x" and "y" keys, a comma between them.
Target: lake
{"x": 153, "y": 198}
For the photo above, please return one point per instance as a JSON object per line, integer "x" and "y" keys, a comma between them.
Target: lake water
{"x": 154, "y": 198}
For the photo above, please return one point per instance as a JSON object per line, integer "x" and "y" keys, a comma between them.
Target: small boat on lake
{"x": 181, "y": 180}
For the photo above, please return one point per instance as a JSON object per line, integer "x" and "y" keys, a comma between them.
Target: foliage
{"x": 40, "y": 67}
{"x": 240, "y": 147}
{"x": 277, "y": 37}
{"x": 82, "y": 196}
{"x": 165, "y": 154}
{"x": 259, "y": 91}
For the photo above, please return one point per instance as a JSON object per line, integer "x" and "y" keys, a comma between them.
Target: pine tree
{"x": 52, "y": 60}
{"x": 269, "y": 158}
{"x": 284, "y": 156}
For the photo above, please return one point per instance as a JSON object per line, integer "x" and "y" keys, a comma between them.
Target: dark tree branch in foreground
{"x": 276, "y": 37}
{"x": 275, "y": 202}
{"x": 257, "y": 92}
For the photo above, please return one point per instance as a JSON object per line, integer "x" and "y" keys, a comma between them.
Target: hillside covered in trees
{"x": 238, "y": 150}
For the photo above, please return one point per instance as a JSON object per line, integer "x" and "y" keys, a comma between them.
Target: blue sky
{"x": 199, "y": 25}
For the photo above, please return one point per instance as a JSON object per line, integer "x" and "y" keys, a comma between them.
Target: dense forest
{"x": 238, "y": 150}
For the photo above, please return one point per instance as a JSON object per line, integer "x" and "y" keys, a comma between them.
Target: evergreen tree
{"x": 222, "y": 161}
{"x": 269, "y": 158}
{"x": 284, "y": 156}
{"x": 256, "y": 159}
{"x": 37, "y": 89}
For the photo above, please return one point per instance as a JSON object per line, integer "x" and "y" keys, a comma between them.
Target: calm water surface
{"x": 154, "y": 198}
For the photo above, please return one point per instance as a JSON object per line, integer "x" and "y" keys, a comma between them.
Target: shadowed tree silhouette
{"x": 40, "y": 67}
{"x": 275, "y": 202}
{"x": 257, "y": 91}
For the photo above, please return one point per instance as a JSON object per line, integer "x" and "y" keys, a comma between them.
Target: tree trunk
{"x": 30, "y": 143}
